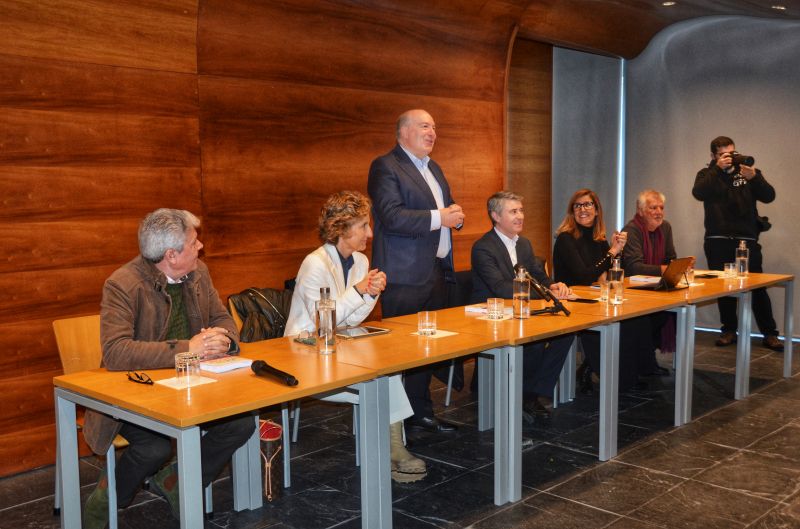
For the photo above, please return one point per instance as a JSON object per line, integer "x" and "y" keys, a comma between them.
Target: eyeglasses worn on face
{"x": 140, "y": 378}
{"x": 582, "y": 205}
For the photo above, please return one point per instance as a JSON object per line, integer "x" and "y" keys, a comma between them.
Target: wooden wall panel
{"x": 399, "y": 47}
{"x": 530, "y": 97}
{"x": 158, "y": 34}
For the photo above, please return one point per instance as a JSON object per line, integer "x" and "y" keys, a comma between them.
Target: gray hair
{"x": 641, "y": 200}
{"x": 495, "y": 202}
{"x": 402, "y": 121}
{"x": 164, "y": 229}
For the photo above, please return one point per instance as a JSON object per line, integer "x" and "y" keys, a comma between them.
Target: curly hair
{"x": 339, "y": 212}
{"x": 570, "y": 226}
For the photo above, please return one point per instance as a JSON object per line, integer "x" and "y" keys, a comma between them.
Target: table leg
{"x": 502, "y": 413}
{"x": 376, "y": 482}
{"x": 513, "y": 441}
{"x": 566, "y": 379}
{"x": 190, "y": 478}
{"x": 609, "y": 386}
{"x": 788, "y": 327}
{"x": 485, "y": 392}
{"x": 742, "y": 384}
{"x": 67, "y": 447}
{"x": 246, "y": 473}
{"x": 684, "y": 364}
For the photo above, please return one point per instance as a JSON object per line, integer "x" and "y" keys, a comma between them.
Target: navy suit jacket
{"x": 492, "y": 271}
{"x": 404, "y": 246}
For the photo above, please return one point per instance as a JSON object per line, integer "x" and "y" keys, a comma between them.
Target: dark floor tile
{"x": 786, "y": 387}
{"x": 456, "y": 503}
{"x": 694, "y": 505}
{"x": 630, "y": 523}
{"x": 782, "y": 443}
{"x": 467, "y": 448}
{"x": 315, "y": 508}
{"x": 762, "y": 475}
{"x": 399, "y": 521}
{"x": 546, "y": 512}
{"x": 616, "y": 487}
{"x": 678, "y": 452}
{"x": 653, "y": 415}
{"x": 587, "y": 438}
{"x": 39, "y": 483}
{"x": 734, "y": 426}
{"x": 547, "y": 465}
{"x": 781, "y": 517}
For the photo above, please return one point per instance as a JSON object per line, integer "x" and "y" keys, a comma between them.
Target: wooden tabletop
{"x": 234, "y": 392}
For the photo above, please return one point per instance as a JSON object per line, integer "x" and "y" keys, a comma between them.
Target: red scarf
{"x": 653, "y": 253}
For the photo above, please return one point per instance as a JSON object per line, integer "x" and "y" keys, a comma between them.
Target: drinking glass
{"x": 426, "y": 323}
{"x": 495, "y": 308}
{"x": 187, "y": 365}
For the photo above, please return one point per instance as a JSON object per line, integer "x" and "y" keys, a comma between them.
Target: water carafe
{"x": 742, "y": 259}
{"x": 326, "y": 322}
{"x": 522, "y": 295}
{"x": 616, "y": 278}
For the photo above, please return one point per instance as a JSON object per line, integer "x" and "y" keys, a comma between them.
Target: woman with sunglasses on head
{"x": 580, "y": 256}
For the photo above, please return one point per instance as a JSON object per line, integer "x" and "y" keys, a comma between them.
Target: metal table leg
{"x": 246, "y": 473}
{"x": 67, "y": 460}
{"x": 788, "y": 327}
{"x": 376, "y": 483}
{"x": 609, "y": 388}
{"x": 742, "y": 384}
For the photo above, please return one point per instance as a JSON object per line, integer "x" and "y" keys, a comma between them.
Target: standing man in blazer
{"x": 413, "y": 213}
{"x": 494, "y": 257}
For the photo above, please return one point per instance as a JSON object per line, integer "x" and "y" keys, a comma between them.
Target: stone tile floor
{"x": 737, "y": 465}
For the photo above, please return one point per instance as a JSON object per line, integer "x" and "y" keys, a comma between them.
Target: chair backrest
{"x": 237, "y": 318}
{"x": 78, "y": 341}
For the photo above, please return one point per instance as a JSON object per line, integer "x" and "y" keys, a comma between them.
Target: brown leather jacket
{"x": 134, "y": 315}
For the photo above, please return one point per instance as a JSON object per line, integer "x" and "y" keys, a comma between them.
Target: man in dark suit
{"x": 413, "y": 213}
{"x": 494, "y": 257}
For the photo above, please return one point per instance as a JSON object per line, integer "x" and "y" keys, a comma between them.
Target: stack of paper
{"x": 226, "y": 363}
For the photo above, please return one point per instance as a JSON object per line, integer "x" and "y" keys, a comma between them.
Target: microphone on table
{"x": 543, "y": 293}
{"x": 263, "y": 369}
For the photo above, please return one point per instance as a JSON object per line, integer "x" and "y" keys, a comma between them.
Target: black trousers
{"x": 148, "y": 451}
{"x": 541, "y": 364}
{"x": 636, "y": 351}
{"x": 399, "y": 300}
{"x": 720, "y": 251}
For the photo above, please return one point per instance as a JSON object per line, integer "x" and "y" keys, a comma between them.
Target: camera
{"x": 741, "y": 159}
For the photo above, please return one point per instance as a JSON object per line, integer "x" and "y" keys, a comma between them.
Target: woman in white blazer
{"x": 344, "y": 228}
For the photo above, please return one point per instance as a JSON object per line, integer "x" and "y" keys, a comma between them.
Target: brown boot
{"x": 405, "y": 467}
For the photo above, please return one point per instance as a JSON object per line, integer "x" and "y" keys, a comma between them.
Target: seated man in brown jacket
{"x": 161, "y": 303}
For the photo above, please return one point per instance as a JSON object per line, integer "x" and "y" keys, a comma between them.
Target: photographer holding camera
{"x": 729, "y": 188}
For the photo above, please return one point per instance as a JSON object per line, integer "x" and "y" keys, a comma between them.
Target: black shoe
{"x": 726, "y": 338}
{"x": 535, "y": 408}
{"x": 430, "y": 424}
{"x": 771, "y": 342}
{"x": 584, "y": 378}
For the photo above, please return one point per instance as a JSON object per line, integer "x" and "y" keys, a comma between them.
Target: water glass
{"x": 495, "y": 308}
{"x": 187, "y": 365}
{"x": 729, "y": 270}
{"x": 603, "y": 282}
{"x": 690, "y": 276}
{"x": 426, "y": 323}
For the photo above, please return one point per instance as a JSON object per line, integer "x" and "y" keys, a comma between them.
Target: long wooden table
{"x": 179, "y": 414}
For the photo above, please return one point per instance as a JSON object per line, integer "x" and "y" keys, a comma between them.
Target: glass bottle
{"x": 742, "y": 259}
{"x": 326, "y": 322}
{"x": 616, "y": 279}
{"x": 522, "y": 295}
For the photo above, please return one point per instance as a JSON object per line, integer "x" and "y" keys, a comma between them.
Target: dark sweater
{"x": 729, "y": 201}
{"x": 580, "y": 261}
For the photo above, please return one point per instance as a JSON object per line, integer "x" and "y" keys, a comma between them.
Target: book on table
{"x": 226, "y": 363}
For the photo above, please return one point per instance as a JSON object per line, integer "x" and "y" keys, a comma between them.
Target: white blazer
{"x": 323, "y": 268}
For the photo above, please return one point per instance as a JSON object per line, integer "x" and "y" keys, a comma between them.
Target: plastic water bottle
{"x": 742, "y": 259}
{"x": 326, "y": 322}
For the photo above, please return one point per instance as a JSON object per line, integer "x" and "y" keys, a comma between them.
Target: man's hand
{"x": 725, "y": 161}
{"x": 211, "y": 342}
{"x": 560, "y": 290}
{"x": 452, "y": 216}
{"x": 747, "y": 171}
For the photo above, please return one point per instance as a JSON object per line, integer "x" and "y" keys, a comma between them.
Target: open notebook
{"x": 672, "y": 276}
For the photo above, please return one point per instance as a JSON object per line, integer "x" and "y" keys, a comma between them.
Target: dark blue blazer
{"x": 403, "y": 245}
{"x": 492, "y": 271}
